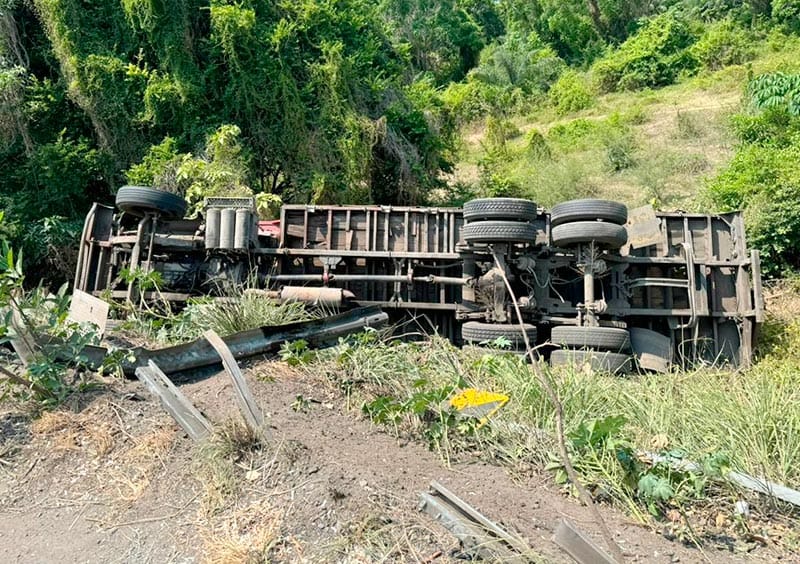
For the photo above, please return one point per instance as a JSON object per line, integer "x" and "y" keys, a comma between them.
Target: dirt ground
{"x": 111, "y": 478}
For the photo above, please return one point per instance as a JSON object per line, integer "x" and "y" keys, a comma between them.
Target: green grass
{"x": 239, "y": 311}
{"x": 747, "y": 420}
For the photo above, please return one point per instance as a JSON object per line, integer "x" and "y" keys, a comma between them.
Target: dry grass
{"x": 132, "y": 467}
{"x": 128, "y": 461}
{"x": 221, "y": 460}
{"x": 69, "y": 431}
{"x": 247, "y": 534}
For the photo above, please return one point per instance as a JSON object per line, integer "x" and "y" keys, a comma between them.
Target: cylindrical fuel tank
{"x": 227, "y": 226}
{"x": 212, "y": 228}
{"x": 326, "y": 297}
{"x": 242, "y": 232}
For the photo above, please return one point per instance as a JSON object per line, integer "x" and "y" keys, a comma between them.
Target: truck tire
{"x": 477, "y": 332}
{"x": 138, "y": 200}
{"x": 588, "y": 210}
{"x": 598, "y": 338}
{"x": 606, "y": 234}
{"x": 499, "y": 232}
{"x": 515, "y": 209}
{"x": 612, "y": 363}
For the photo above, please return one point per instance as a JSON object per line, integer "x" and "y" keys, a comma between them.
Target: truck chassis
{"x": 672, "y": 288}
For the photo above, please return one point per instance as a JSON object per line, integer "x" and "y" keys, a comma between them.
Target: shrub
{"x": 570, "y": 94}
{"x": 536, "y": 145}
{"x": 773, "y": 225}
{"x": 787, "y": 13}
{"x": 466, "y": 101}
{"x": 620, "y": 151}
{"x": 764, "y": 180}
{"x": 654, "y": 56}
{"x": 723, "y": 43}
{"x": 576, "y": 134}
{"x": 498, "y": 132}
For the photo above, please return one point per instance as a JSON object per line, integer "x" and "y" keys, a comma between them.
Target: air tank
{"x": 227, "y": 225}
{"x": 242, "y": 232}
{"x": 212, "y": 228}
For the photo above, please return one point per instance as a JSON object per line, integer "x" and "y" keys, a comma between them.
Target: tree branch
{"x": 559, "y": 413}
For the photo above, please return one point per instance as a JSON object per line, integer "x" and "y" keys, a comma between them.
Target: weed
{"x": 242, "y": 310}
{"x": 301, "y": 403}
{"x": 620, "y": 151}
{"x": 612, "y": 421}
{"x": 295, "y": 353}
{"x": 688, "y": 125}
{"x": 38, "y": 319}
{"x": 537, "y": 145}
{"x": 217, "y": 463}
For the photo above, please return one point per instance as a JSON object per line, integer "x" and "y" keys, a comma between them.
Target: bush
{"x": 765, "y": 181}
{"x": 579, "y": 133}
{"x": 498, "y": 132}
{"x": 787, "y": 13}
{"x": 654, "y": 56}
{"x": 620, "y": 151}
{"x": 466, "y": 101}
{"x": 536, "y": 145}
{"x": 723, "y": 43}
{"x": 570, "y": 94}
{"x": 773, "y": 226}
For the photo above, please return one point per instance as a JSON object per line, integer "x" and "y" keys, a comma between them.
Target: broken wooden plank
{"x": 516, "y": 542}
{"x": 22, "y": 341}
{"x": 575, "y": 543}
{"x": 179, "y": 407}
{"x": 478, "y": 535}
{"x": 86, "y": 308}
{"x": 247, "y": 403}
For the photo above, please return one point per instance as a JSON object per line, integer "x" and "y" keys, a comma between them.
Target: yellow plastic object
{"x": 478, "y": 404}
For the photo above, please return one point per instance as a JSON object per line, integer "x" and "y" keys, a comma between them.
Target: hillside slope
{"x": 655, "y": 146}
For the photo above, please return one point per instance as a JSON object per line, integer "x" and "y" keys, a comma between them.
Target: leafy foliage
{"x": 723, "y": 43}
{"x": 763, "y": 176}
{"x": 519, "y": 61}
{"x": 441, "y": 36}
{"x": 39, "y": 320}
{"x": 654, "y": 56}
{"x": 775, "y": 90}
{"x": 570, "y": 94}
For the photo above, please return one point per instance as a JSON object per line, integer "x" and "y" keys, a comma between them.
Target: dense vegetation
{"x": 349, "y": 101}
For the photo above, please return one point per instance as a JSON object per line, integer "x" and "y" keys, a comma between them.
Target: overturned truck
{"x": 594, "y": 282}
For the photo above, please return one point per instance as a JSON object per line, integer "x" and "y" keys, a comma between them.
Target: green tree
{"x": 441, "y": 36}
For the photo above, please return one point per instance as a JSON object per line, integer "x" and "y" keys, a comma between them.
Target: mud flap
{"x": 653, "y": 351}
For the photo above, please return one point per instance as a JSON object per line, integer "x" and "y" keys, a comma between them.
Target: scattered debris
{"x": 760, "y": 485}
{"x": 181, "y": 409}
{"x": 317, "y": 333}
{"x": 479, "y": 535}
{"x": 85, "y": 308}
{"x": 478, "y": 404}
{"x": 579, "y": 546}
{"x": 247, "y": 403}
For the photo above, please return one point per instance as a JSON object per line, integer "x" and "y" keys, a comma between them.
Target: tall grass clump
{"x": 240, "y": 310}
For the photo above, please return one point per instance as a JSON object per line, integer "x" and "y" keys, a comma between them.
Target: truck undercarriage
{"x": 594, "y": 283}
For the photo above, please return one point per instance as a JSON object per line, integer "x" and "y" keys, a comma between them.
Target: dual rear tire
{"x": 600, "y": 222}
{"x": 499, "y": 220}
